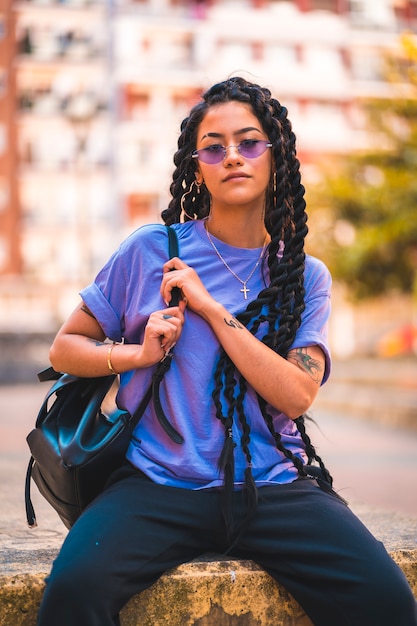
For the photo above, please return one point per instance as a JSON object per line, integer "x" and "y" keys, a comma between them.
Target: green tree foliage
{"x": 370, "y": 198}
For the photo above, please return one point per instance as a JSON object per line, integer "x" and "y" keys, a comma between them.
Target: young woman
{"x": 250, "y": 355}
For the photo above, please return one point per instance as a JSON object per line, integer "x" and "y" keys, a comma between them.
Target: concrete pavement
{"x": 378, "y": 390}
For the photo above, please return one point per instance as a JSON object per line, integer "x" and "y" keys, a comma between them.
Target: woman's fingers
{"x": 179, "y": 274}
{"x": 169, "y": 330}
{"x": 170, "y": 279}
{"x": 162, "y": 332}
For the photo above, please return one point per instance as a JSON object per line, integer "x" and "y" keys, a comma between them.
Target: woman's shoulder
{"x": 317, "y": 277}
{"x": 150, "y": 242}
{"x": 145, "y": 241}
{"x": 152, "y": 234}
{"x": 144, "y": 234}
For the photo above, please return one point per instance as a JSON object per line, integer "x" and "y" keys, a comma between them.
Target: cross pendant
{"x": 245, "y": 290}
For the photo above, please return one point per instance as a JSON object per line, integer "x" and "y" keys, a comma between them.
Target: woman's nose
{"x": 232, "y": 154}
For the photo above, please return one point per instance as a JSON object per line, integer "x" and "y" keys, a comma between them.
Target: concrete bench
{"x": 210, "y": 591}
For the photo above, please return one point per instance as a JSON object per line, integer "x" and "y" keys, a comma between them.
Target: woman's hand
{"x": 80, "y": 346}
{"x": 179, "y": 274}
{"x": 161, "y": 334}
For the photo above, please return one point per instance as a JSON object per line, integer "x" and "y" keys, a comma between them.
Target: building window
{"x": 141, "y": 207}
{"x": 135, "y": 102}
{"x": 375, "y": 14}
{"x": 258, "y": 50}
{"x": 406, "y": 10}
{"x": 324, "y": 5}
{"x": 335, "y": 6}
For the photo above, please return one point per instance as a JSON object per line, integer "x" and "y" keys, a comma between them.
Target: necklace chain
{"x": 244, "y": 289}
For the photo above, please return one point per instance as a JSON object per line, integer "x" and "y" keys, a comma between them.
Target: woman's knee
{"x": 396, "y": 596}
{"x": 77, "y": 596}
{"x": 388, "y": 595}
{"x": 68, "y": 582}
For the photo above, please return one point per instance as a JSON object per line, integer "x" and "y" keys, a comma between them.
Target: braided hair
{"x": 280, "y": 304}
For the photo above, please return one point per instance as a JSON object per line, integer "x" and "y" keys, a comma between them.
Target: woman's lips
{"x": 235, "y": 175}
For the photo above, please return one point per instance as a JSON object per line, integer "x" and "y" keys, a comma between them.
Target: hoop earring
{"x": 185, "y": 194}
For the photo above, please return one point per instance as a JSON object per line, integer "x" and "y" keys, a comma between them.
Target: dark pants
{"x": 305, "y": 538}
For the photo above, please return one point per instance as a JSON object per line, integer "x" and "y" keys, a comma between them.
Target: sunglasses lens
{"x": 211, "y": 155}
{"x": 250, "y": 149}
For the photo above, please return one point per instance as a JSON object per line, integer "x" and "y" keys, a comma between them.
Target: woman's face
{"x": 236, "y": 180}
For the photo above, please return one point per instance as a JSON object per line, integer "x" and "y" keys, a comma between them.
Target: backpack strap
{"x": 30, "y": 511}
{"x": 173, "y": 250}
{"x": 49, "y": 374}
{"x": 173, "y": 245}
{"x": 165, "y": 364}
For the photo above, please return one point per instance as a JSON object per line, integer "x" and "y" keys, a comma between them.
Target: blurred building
{"x": 92, "y": 93}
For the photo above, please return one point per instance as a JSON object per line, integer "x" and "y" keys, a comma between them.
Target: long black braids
{"x": 281, "y": 303}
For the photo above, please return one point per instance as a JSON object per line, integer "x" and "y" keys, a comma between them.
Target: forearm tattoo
{"x": 97, "y": 343}
{"x": 305, "y": 362}
{"x": 233, "y": 322}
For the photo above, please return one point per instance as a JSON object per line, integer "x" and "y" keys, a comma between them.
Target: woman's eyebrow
{"x": 236, "y": 133}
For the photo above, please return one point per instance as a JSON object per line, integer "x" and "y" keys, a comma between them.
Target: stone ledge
{"x": 209, "y": 591}
{"x": 206, "y": 592}
{"x": 212, "y": 591}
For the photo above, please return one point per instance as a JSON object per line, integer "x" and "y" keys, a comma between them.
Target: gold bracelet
{"x": 109, "y": 365}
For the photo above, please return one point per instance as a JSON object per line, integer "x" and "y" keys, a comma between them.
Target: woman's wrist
{"x": 109, "y": 359}
{"x": 125, "y": 357}
{"x": 213, "y": 312}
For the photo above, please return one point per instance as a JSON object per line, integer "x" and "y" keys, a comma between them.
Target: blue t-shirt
{"x": 127, "y": 290}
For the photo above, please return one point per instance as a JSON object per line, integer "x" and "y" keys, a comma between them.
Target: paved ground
{"x": 371, "y": 463}
{"x": 367, "y": 414}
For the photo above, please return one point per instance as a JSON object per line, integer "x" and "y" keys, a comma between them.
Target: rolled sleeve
{"x": 314, "y": 326}
{"x": 106, "y": 296}
{"x": 102, "y": 311}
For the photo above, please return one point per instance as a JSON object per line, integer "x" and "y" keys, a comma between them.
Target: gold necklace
{"x": 244, "y": 289}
